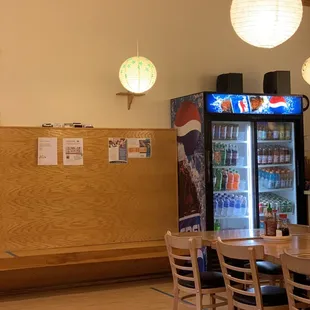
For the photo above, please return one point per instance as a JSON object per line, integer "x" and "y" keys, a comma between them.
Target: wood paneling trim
{"x": 306, "y": 2}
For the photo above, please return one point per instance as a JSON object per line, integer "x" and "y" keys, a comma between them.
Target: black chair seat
{"x": 272, "y": 296}
{"x": 264, "y": 267}
{"x": 209, "y": 279}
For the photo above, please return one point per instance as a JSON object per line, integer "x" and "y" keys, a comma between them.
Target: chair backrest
{"x": 298, "y": 229}
{"x": 229, "y": 255}
{"x": 296, "y": 271}
{"x": 188, "y": 248}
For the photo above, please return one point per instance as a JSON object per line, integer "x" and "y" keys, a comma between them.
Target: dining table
{"x": 298, "y": 243}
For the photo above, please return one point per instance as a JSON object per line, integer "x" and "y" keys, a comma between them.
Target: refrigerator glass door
{"x": 232, "y": 175}
{"x": 276, "y": 168}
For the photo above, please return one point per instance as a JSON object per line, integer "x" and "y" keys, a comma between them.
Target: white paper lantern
{"x": 266, "y": 23}
{"x": 137, "y": 74}
{"x": 306, "y": 71}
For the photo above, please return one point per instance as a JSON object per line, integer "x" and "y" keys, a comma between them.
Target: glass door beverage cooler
{"x": 236, "y": 155}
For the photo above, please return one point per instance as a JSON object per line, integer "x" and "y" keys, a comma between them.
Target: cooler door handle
{"x": 297, "y": 173}
{"x": 208, "y": 167}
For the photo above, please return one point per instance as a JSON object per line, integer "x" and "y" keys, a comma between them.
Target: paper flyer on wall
{"x": 73, "y": 151}
{"x": 139, "y": 148}
{"x": 47, "y": 151}
{"x": 118, "y": 151}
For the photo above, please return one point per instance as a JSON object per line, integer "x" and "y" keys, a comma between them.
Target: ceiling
{"x": 306, "y": 2}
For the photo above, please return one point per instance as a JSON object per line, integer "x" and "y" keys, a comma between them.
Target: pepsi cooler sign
{"x": 253, "y": 104}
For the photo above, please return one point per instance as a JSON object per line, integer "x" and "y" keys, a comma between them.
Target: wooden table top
{"x": 245, "y": 237}
{"x": 210, "y": 237}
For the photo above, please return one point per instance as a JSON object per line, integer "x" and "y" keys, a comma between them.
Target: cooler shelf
{"x": 230, "y": 141}
{"x": 274, "y": 141}
{"x": 231, "y": 217}
{"x": 266, "y": 190}
{"x": 230, "y": 192}
{"x": 230, "y": 167}
{"x": 274, "y": 165}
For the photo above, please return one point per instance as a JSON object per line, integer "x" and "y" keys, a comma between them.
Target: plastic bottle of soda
{"x": 269, "y": 156}
{"x": 287, "y": 155}
{"x": 230, "y": 129}
{"x": 277, "y": 179}
{"x": 224, "y": 180}
{"x": 283, "y": 179}
{"x": 217, "y": 131}
{"x": 259, "y": 132}
{"x": 213, "y": 131}
{"x": 269, "y": 134}
{"x": 230, "y": 156}
{"x": 217, "y": 154}
{"x": 264, "y": 156}
{"x": 288, "y": 135}
{"x": 236, "y": 180}
{"x": 235, "y": 132}
{"x": 276, "y": 155}
{"x": 230, "y": 184}
{"x": 223, "y": 132}
{"x": 235, "y": 155}
{"x": 217, "y": 225}
{"x": 281, "y": 132}
{"x": 219, "y": 177}
{"x": 282, "y": 155}
{"x": 223, "y": 154}
{"x": 276, "y": 132}
{"x": 259, "y": 156}
{"x": 264, "y": 132}
{"x": 271, "y": 181}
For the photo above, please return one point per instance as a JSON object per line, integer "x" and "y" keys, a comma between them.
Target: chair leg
{"x": 198, "y": 302}
{"x": 176, "y": 299}
{"x": 212, "y": 300}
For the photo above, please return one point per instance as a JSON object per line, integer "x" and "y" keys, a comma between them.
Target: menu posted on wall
{"x": 139, "y": 148}
{"x": 73, "y": 151}
{"x": 47, "y": 151}
{"x": 118, "y": 152}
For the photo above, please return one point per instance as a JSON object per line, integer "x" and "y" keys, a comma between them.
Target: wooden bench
{"x": 33, "y": 269}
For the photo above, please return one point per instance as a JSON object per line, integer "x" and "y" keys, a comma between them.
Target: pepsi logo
{"x": 188, "y": 125}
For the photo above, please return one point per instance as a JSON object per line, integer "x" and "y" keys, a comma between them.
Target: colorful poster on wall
{"x": 73, "y": 151}
{"x": 139, "y": 147}
{"x": 118, "y": 150}
{"x": 47, "y": 151}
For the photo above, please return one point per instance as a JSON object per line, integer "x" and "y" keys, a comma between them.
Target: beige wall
{"x": 59, "y": 59}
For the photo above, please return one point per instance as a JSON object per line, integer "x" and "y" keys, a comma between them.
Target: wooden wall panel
{"x": 98, "y": 203}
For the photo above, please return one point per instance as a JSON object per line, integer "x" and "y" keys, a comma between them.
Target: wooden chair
{"x": 296, "y": 270}
{"x": 257, "y": 296}
{"x": 188, "y": 279}
{"x": 298, "y": 229}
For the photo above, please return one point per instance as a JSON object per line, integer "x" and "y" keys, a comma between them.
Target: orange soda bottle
{"x": 236, "y": 180}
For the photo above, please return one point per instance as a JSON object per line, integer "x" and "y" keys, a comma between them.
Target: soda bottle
{"x": 264, "y": 156}
{"x": 281, "y": 132}
{"x": 217, "y": 132}
{"x": 231, "y": 206}
{"x": 230, "y": 184}
{"x": 259, "y": 132}
{"x": 259, "y": 156}
{"x": 287, "y": 155}
{"x": 217, "y": 154}
{"x": 217, "y": 225}
{"x": 276, "y": 155}
{"x": 230, "y": 130}
{"x": 282, "y": 179}
{"x": 290, "y": 178}
{"x": 264, "y": 132}
{"x": 235, "y": 132}
{"x": 235, "y": 155}
{"x": 219, "y": 177}
{"x": 223, "y": 154}
{"x": 229, "y": 157}
{"x": 288, "y": 135}
{"x": 269, "y": 156}
{"x": 282, "y": 155}
{"x": 213, "y": 131}
{"x": 236, "y": 180}
{"x": 276, "y": 132}
{"x": 224, "y": 180}
{"x": 223, "y": 132}
{"x": 269, "y": 134}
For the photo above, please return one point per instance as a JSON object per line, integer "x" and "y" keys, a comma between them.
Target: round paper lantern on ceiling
{"x": 266, "y": 23}
{"x": 137, "y": 74}
{"x": 306, "y": 71}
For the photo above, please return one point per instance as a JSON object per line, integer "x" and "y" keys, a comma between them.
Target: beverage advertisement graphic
{"x": 253, "y": 104}
{"x": 187, "y": 116}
